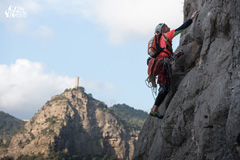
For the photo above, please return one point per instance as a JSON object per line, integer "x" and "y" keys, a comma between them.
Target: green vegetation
{"x": 48, "y": 132}
{"x": 44, "y": 131}
{"x": 102, "y": 105}
{"x": 7, "y": 158}
{"x": 52, "y": 123}
{"x": 32, "y": 157}
{"x": 32, "y": 136}
{"x": 90, "y": 95}
{"x": 28, "y": 141}
{"x": 27, "y": 157}
{"x": 100, "y": 140}
{"x": 9, "y": 126}
{"x": 131, "y": 118}
{"x": 60, "y": 97}
{"x": 79, "y": 88}
{"x": 22, "y": 130}
{"x": 4, "y": 145}
{"x": 62, "y": 155}
{"x": 66, "y": 90}
{"x": 52, "y": 120}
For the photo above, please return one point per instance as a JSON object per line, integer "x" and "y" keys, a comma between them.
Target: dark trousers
{"x": 161, "y": 96}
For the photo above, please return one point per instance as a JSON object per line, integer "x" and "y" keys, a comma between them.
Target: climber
{"x": 165, "y": 73}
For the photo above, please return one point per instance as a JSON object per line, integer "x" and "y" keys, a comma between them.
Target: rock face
{"x": 73, "y": 125}
{"x": 202, "y": 112}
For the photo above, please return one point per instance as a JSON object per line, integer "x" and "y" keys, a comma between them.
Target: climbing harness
{"x": 154, "y": 47}
{"x": 161, "y": 71}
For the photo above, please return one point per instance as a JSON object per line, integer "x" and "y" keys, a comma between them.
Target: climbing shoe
{"x": 156, "y": 114}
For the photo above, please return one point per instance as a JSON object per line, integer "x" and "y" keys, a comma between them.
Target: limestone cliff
{"x": 202, "y": 112}
{"x": 73, "y": 125}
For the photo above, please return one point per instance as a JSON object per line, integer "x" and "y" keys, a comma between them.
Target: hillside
{"x": 74, "y": 125}
{"x": 202, "y": 111}
{"x": 131, "y": 117}
{"x": 9, "y": 126}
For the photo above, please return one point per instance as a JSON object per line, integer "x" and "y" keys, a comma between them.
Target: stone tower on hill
{"x": 76, "y": 82}
{"x": 74, "y": 125}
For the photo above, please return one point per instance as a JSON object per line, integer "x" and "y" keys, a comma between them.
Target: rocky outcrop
{"x": 202, "y": 112}
{"x": 73, "y": 125}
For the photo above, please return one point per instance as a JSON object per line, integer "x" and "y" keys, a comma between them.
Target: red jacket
{"x": 163, "y": 43}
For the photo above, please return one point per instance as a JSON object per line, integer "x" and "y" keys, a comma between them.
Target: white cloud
{"x": 26, "y": 86}
{"x": 126, "y": 19}
{"x": 31, "y": 6}
{"x": 121, "y": 19}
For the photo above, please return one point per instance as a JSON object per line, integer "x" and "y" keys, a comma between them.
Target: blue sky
{"x": 104, "y": 42}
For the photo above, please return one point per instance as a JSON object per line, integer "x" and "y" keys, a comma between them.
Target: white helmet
{"x": 158, "y": 28}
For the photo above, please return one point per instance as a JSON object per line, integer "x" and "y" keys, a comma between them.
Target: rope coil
{"x": 151, "y": 83}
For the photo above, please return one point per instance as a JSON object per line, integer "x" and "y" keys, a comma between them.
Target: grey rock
{"x": 202, "y": 112}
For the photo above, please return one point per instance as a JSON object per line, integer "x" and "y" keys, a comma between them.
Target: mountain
{"x": 130, "y": 117}
{"x": 202, "y": 112}
{"x": 74, "y": 125}
{"x": 9, "y": 126}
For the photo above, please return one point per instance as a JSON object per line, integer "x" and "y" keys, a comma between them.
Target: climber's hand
{"x": 194, "y": 15}
{"x": 179, "y": 54}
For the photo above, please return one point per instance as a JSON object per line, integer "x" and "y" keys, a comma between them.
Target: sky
{"x": 45, "y": 44}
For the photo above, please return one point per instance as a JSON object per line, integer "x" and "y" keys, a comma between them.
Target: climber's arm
{"x": 186, "y": 24}
{"x": 182, "y": 27}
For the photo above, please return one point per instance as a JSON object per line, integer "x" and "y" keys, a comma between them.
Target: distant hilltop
{"x": 74, "y": 125}
{"x": 9, "y": 126}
